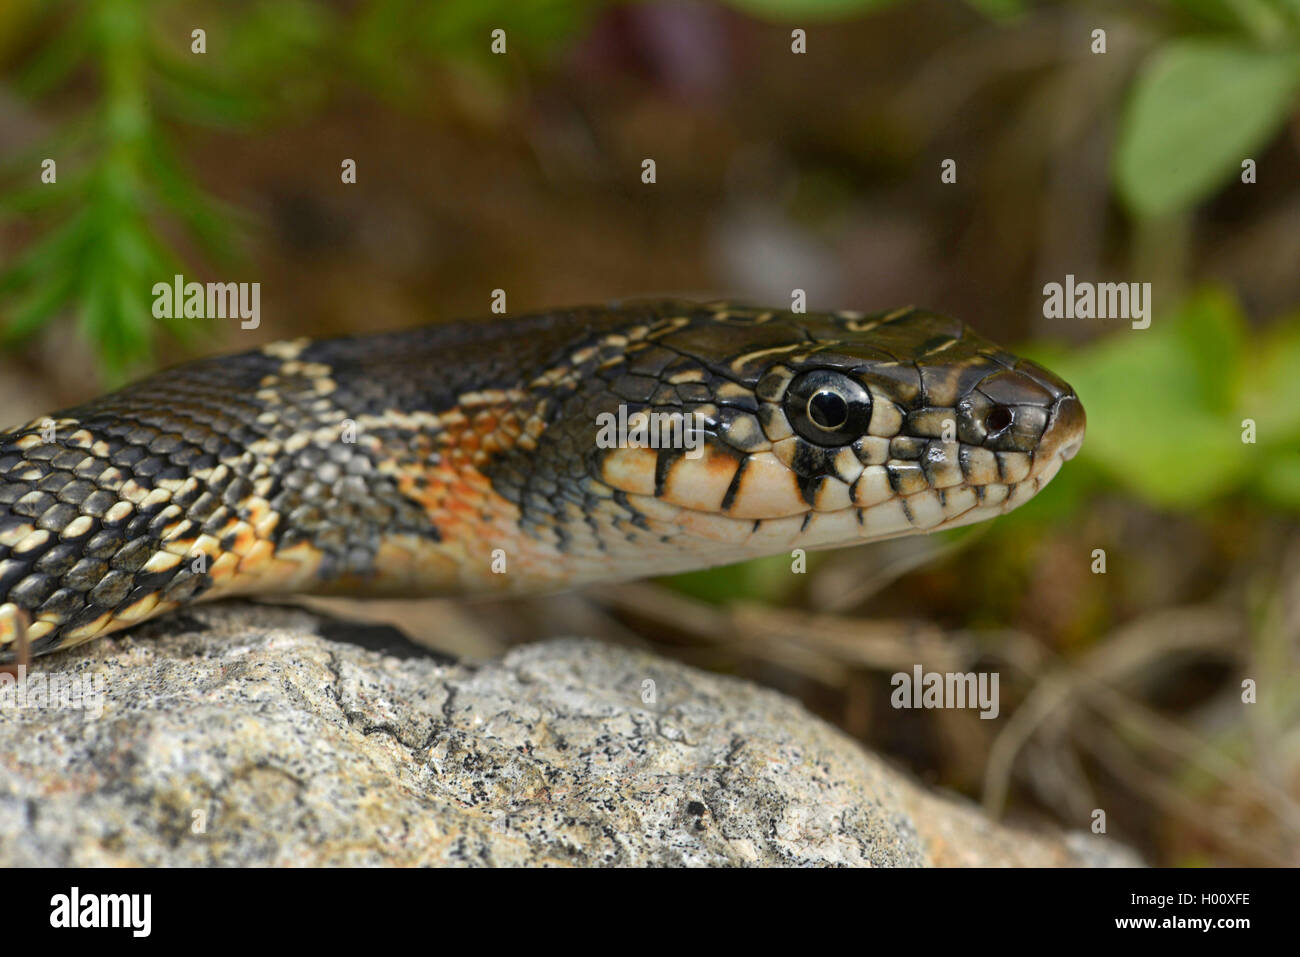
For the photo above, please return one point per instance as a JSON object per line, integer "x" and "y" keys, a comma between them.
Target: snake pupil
{"x": 828, "y": 410}
{"x": 999, "y": 418}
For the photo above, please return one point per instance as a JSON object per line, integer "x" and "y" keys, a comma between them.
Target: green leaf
{"x": 1212, "y": 331}
{"x": 1279, "y": 479}
{"x": 1198, "y": 109}
{"x": 1157, "y": 424}
{"x": 1165, "y": 409}
{"x": 1270, "y": 393}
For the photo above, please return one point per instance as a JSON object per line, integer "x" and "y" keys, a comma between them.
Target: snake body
{"x": 467, "y": 458}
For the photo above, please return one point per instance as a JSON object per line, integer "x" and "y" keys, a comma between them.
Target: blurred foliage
{"x": 810, "y": 9}
{"x": 116, "y": 177}
{"x": 831, "y": 9}
{"x": 394, "y": 41}
{"x": 1167, "y": 406}
{"x": 1203, "y": 104}
{"x": 1219, "y": 82}
{"x": 1198, "y": 110}
{"x": 1199, "y": 106}
{"x": 105, "y": 228}
{"x": 762, "y": 579}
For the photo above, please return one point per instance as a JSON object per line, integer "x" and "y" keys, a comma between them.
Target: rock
{"x": 242, "y": 734}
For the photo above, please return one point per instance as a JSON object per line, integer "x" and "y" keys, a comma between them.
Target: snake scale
{"x": 465, "y": 458}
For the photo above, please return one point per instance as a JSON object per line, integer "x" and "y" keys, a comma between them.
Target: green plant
{"x": 122, "y": 206}
{"x": 1168, "y": 407}
{"x": 1197, "y": 111}
{"x": 1204, "y": 100}
{"x": 116, "y": 183}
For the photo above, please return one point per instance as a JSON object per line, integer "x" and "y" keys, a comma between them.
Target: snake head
{"x": 831, "y": 429}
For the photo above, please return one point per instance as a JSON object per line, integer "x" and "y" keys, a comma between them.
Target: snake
{"x": 519, "y": 455}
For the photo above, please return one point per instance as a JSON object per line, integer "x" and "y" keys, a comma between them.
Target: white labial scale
{"x": 886, "y": 518}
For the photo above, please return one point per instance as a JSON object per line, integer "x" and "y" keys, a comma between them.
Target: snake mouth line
{"x": 924, "y": 510}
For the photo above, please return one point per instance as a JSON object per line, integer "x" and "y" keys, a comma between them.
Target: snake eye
{"x": 827, "y": 407}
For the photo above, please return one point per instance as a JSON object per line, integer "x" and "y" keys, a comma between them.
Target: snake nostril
{"x": 998, "y": 419}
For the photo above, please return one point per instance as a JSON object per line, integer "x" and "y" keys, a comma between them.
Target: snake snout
{"x": 1025, "y": 410}
{"x": 1065, "y": 429}
{"x": 1063, "y": 435}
